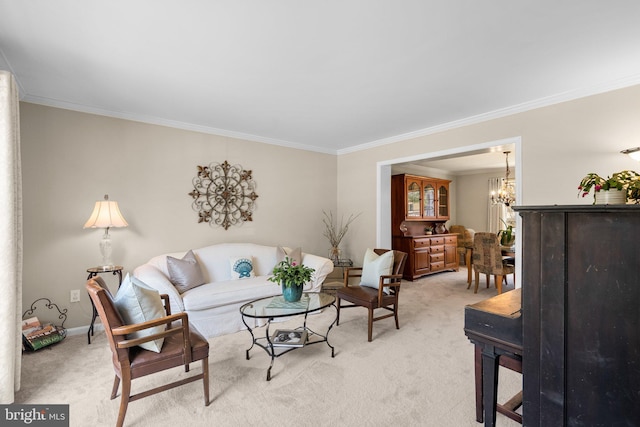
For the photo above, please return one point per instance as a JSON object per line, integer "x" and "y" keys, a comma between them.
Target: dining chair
{"x": 488, "y": 260}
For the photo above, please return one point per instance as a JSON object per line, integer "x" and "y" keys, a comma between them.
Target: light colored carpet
{"x": 419, "y": 375}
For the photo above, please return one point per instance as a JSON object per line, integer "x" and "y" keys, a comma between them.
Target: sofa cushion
{"x": 241, "y": 267}
{"x": 295, "y": 255}
{"x": 218, "y": 294}
{"x": 138, "y": 303}
{"x": 184, "y": 273}
{"x": 214, "y": 259}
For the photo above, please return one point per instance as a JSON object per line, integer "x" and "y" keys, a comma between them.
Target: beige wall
{"x": 70, "y": 160}
{"x": 559, "y": 145}
{"x": 472, "y": 198}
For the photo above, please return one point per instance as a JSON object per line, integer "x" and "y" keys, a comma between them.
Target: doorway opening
{"x": 385, "y": 170}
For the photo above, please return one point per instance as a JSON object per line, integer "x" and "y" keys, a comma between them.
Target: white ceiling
{"x": 330, "y": 76}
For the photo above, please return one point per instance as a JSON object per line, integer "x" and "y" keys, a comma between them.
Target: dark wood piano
{"x": 495, "y": 327}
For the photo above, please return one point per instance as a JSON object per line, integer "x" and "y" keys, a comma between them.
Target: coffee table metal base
{"x": 276, "y": 351}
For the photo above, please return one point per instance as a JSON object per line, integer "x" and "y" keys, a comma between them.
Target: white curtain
{"x": 10, "y": 240}
{"x": 495, "y": 212}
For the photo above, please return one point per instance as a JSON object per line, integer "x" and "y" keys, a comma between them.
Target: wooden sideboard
{"x": 581, "y": 315}
{"x": 428, "y": 254}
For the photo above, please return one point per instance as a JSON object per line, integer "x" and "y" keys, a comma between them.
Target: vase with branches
{"x": 335, "y": 233}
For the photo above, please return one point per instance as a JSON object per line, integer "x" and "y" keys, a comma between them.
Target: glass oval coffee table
{"x": 283, "y": 341}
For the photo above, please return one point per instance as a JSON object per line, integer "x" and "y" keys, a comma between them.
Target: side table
{"x": 116, "y": 270}
{"x": 332, "y": 286}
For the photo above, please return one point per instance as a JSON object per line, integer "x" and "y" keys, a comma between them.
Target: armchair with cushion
{"x": 171, "y": 343}
{"x": 488, "y": 260}
{"x": 465, "y": 239}
{"x": 379, "y": 288}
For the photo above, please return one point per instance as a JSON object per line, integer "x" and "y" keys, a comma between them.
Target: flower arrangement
{"x": 335, "y": 233}
{"x": 289, "y": 273}
{"x": 626, "y": 180}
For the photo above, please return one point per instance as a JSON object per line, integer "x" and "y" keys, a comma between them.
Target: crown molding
{"x": 172, "y": 124}
{"x": 503, "y": 112}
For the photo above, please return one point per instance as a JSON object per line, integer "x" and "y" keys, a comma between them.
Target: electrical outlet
{"x": 75, "y": 295}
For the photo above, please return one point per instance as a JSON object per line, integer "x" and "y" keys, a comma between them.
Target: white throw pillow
{"x": 241, "y": 267}
{"x": 138, "y": 303}
{"x": 185, "y": 273}
{"x": 374, "y": 266}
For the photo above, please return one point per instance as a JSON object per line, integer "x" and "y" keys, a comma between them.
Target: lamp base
{"x": 106, "y": 250}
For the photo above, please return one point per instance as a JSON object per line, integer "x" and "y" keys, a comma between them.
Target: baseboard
{"x": 82, "y": 330}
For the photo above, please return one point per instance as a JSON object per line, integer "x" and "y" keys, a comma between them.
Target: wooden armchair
{"x": 181, "y": 347}
{"x": 371, "y": 298}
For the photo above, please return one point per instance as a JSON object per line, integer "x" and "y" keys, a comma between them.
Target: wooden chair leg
{"x": 114, "y": 391}
{"x": 205, "y": 380}
{"x": 498, "y": 279}
{"x": 124, "y": 398}
{"x": 395, "y": 314}
{"x": 467, "y": 260}
{"x": 477, "y": 281}
{"x": 370, "y": 323}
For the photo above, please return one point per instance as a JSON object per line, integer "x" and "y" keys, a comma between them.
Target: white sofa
{"x": 214, "y": 307}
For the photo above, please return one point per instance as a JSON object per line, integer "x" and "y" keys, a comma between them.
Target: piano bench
{"x": 509, "y": 361}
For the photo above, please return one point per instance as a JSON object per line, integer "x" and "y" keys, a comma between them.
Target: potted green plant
{"x": 507, "y": 237}
{"x": 626, "y": 182}
{"x": 292, "y": 276}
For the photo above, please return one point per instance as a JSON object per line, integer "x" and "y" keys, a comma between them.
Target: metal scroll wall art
{"x": 224, "y": 195}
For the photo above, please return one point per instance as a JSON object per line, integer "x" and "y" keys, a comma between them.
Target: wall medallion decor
{"x": 224, "y": 195}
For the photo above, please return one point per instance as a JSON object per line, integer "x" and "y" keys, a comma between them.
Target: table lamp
{"x": 106, "y": 214}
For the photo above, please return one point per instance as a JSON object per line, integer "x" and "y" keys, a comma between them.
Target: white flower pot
{"x": 611, "y": 197}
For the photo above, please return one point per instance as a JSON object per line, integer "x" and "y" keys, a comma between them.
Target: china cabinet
{"x": 418, "y": 198}
{"x": 420, "y": 205}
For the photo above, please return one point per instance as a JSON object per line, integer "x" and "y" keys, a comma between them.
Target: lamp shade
{"x": 106, "y": 214}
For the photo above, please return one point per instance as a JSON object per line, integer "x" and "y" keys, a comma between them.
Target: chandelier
{"x": 507, "y": 193}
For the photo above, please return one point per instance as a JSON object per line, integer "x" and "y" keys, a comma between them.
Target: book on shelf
{"x": 289, "y": 338}
{"x": 36, "y": 335}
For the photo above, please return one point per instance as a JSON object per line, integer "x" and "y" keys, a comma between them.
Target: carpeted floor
{"x": 419, "y": 375}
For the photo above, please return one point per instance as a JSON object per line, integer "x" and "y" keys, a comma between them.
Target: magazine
{"x": 289, "y": 338}
{"x": 36, "y": 335}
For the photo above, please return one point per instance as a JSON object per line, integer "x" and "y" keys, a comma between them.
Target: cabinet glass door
{"x": 443, "y": 202}
{"x": 413, "y": 199}
{"x": 429, "y": 198}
